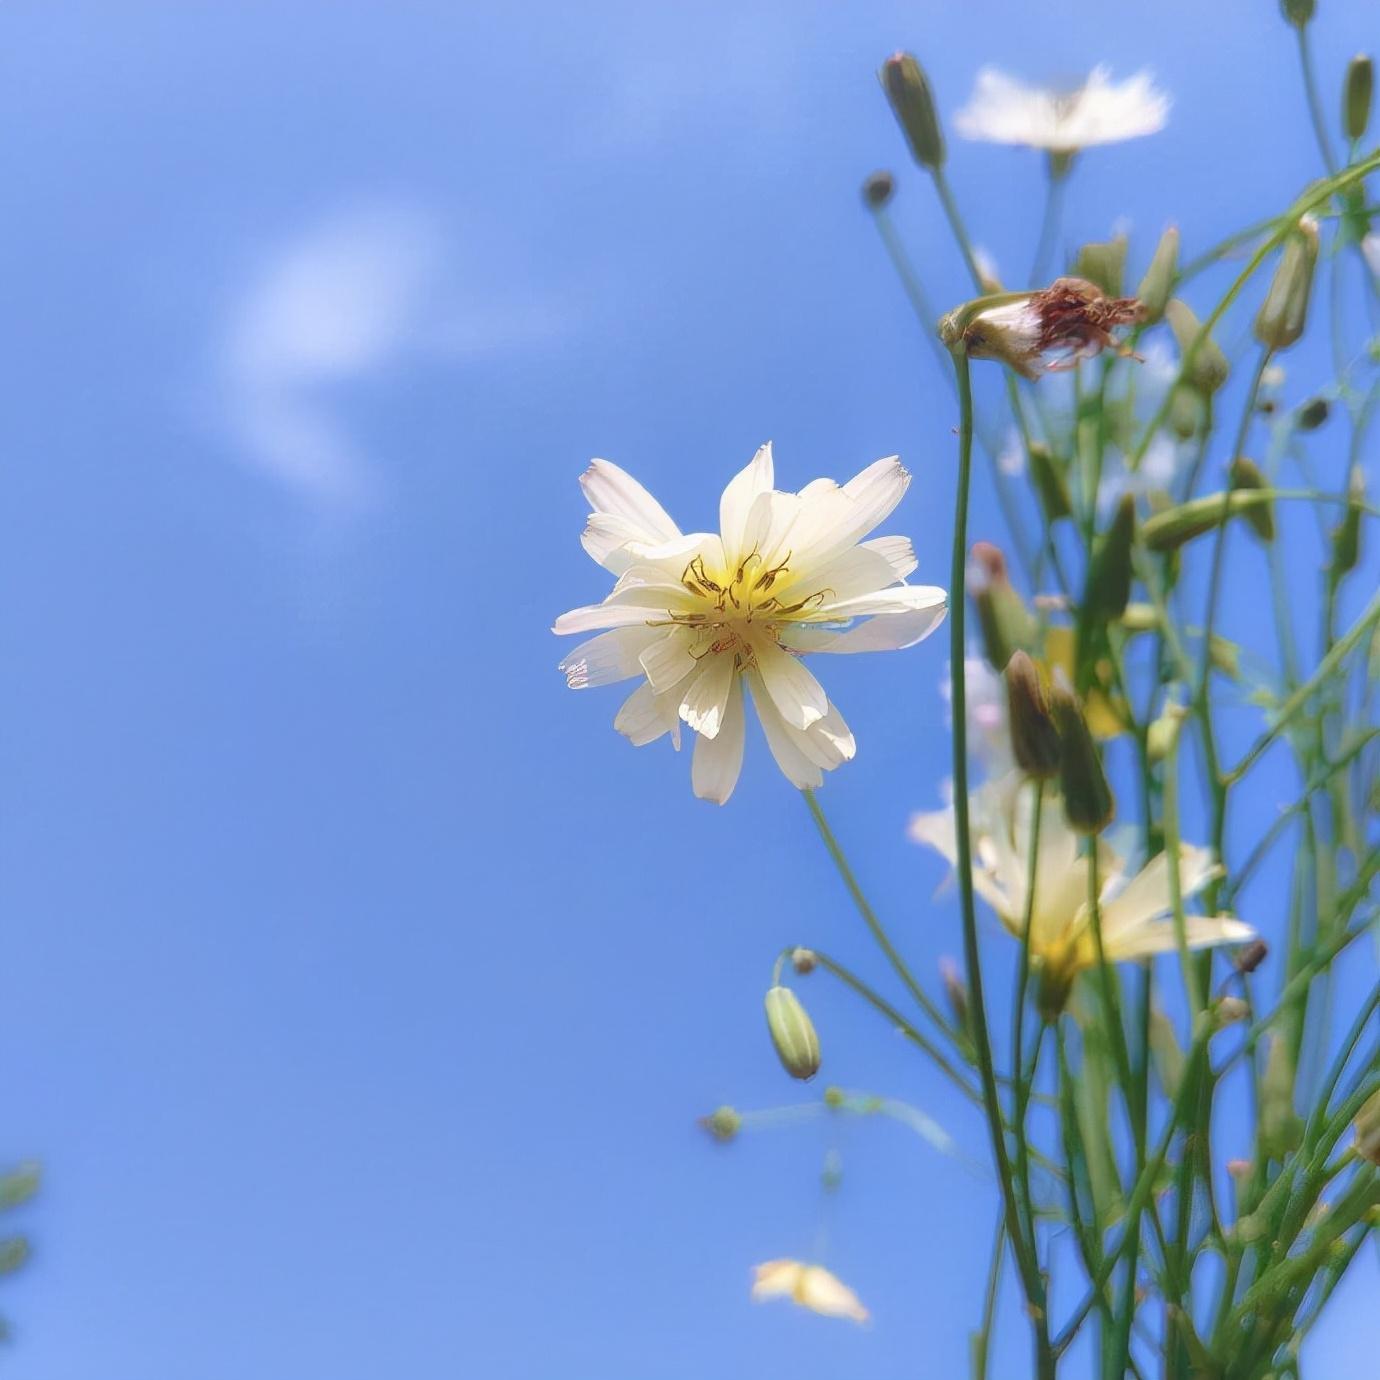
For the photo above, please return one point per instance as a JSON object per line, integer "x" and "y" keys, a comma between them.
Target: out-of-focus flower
{"x": 811, "y": 1286}
{"x": 1135, "y": 911}
{"x": 698, "y": 615}
{"x": 1071, "y": 319}
{"x": 1003, "y": 110}
{"x": 988, "y": 735}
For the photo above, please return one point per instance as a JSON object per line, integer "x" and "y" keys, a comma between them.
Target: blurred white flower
{"x": 988, "y": 735}
{"x": 811, "y": 1286}
{"x": 1005, "y": 111}
{"x": 698, "y": 615}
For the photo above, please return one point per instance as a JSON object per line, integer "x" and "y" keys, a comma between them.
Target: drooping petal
{"x": 609, "y": 657}
{"x": 718, "y": 760}
{"x": 798, "y": 696}
{"x": 737, "y": 501}
{"x": 612, "y": 490}
{"x": 784, "y": 741}
{"x": 706, "y": 696}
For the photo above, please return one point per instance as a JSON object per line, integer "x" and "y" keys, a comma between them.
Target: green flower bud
{"x": 834, "y": 1097}
{"x": 1280, "y": 1130}
{"x": 1108, "y": 588}
{"x": 912, "y": 102}
{"x": 1346, "y": 535}
{"x": 955, "y": 992}
{"x": 1368, "y": 1130}
{"x": 1172, "y": 528}
{"x": 793, "y": 1034}
{"x": 1245, "y": 474}
{"x": 1356, "y": 96}
{"x": 1165, "y": 1053}
{"x": 1284, "y": 312}
{"x": 723, "y": 1123}
{"x": 877, "y": 189}
{"x": 1188, "y": 411}
{"x": 1158, "y": 282}
{"x": 1049, "y": 482}
{"x": 1104, "y": 263}
{"x": 1034, "y": 738}
{"x": 1088, "y": 804}
{"x": 1005, "y": 621}
{"x": 1312, "y": 414}
{"x": 1298, "y": 12}
{"x": 1208, "y": 370}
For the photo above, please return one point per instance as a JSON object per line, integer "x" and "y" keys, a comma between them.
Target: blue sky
{"x": 360, "y": 985}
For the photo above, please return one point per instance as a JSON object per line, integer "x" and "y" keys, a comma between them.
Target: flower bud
{"x": 1284, "y": 312}
{"x": 1356, "y": 95}
{"x": 1298, "y": 12}
{"x": 1245, "y": 474}
{"x": 1188, "y": 411}
{"x": 803, "y": 960}
{"x": 1034, "y": 739}
{"x": 988, "y": 276}
{"x": 1250, "y": 956}
{"x": 1279, "y": 1128}
{"x": 955, "y": 991}
{"x": 1088, "y": 804}
{"x": 1312, "y": 414}
{"x": 1208, "y": 370}
{"x": 1049, "y": 481}
{"x": 793, "y": 1034}
{"x": 1174, "y": 527}
{"x": 1165, "y": 1053}
{"x": 1108, "y": 588}
{"x": 1231, "y": 1011}
{"x": 1368, "y": 1130}
{"x": 1104, "y": 263}
{"x": 723, "y": 1123}
{"x": 877, "y": 189}
{"x": 1158, "y": 282}
{"x": 912, "y": 102}
{"x": 1346, "y": 535}
{"x": 1162, "y": 736}
{"x": 1005, "y": 621}
{"x": 1239, "y": 1169}
{"x": 834, "y": 1097}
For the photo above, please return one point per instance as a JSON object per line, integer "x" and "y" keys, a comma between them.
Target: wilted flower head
{"x": 1071, "y": 319}
{"x": 811, "y": 1286}
{"x": 1005, "y": 111}
{"x": 699, "y": 615}
{"x": 1134, "y": 910}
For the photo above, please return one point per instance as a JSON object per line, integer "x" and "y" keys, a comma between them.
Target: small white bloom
{"x": 811, "y": 1286}
{"x": 699, "y": 616}
{"x": 1005, "y": 111}
{"x": 988, "y": 734}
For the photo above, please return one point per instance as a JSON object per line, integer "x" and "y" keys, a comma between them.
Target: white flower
{"x": 1004, "y": 111}
{"x": 811, "y": 1286}
{"x": 700, "y": 615}
{"x": 988, "y": 734}
{"x": 1135, "y": 911}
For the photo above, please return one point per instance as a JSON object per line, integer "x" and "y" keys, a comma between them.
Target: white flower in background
{"x": 1005, "y": 111}
{"x": 700, "y": 615}
{"x": 811, "y": 1286}
{"x": 988, "y": 735}
{"x": 1135, "y": 911}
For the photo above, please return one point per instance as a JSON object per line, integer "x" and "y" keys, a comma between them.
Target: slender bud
{"x": 1360, "y": 84}
{"x": 1368, "y": 1130}
{"x": 1188, "y": 411}
{"x": 1088, "y": 804}
{"x": 955, "y": 991}
{"x": 912, "y": 102}
{"x": 1034, "y": 739}
{"x": 1173, "y": 527}
{"x": 1284, "y": 312}
{"x": 803, "y": 960}
{"x": 1239, "y": 1169}
{"x": 1346, "y": 535}
{"x": 1245, "y": 474}
{"x": 877, "y": 189}
{"x": 1280, "y": 1129}
{"x": 1005, "y": 621}
{"x": 1050, "y": 485}
{"x": 723, "y": 1123}
{"x": 1158, "y": 282}
{"x": 1108, "y": 588}
{"x": 1312, "y": 414}
{"x": 1208, "y": 370}
{"x": 1165, "y": 1052}
{"x": 793, "y": 1034}
{"x": 1298, "y": 12}
{"x": 1250, "y": 956}
{"x": 1104, "y": 262}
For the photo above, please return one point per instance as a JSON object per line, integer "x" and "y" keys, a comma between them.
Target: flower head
{"x": 811, "y": 1286}
{"x": 1071, "y": 319}
{"x": 699, "y": 617}
{"x": 1005, "y": 111}
{"x": 1134, "y": 911}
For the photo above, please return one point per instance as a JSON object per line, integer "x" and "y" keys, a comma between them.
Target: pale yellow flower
{"x": 811, "y": 1286}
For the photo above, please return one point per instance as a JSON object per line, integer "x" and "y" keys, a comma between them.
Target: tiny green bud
{"x": 1284, "y": 312}
{"x": 877, "y": 189}
{"x": 955, "y": 991}
{"x": 1346, "y": 535}
{"x": 1104, "y": 263}
{"x": 1158, "y": 282}
{"x": 1208, "y": 369}
{"x": 1298, "y": 12}
{"x": 1245, "y": 474}
{"x": 803, "y": 960}
{"x": 1034, "y": 738}
{"x": 723, "y": 1123}
{"x": 1088, "y": 804}
{"x": 1356, "y": 96}
{"x": 1188, "y": 411}
{"x": 1279, "y": 1127}
{"x": 793, "y": 1034}
{"x": 1368, "y": 1130}
{"x": 834, "y": 1097}
{"x": 912, "y": 102}
{"x": 1312, "y": 414}
{"x": 1049, "y": 481}
{"x": 1005, "y": 621}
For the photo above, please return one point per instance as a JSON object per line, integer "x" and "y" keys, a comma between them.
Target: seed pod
{"x": 1356, "y": 96}
{"x": 877, "y": 189}
{"x": 723, "y": 1123}
{"x": 1298, "y": 12}
{"x": 1312, "y": 414}
{"x": 912, "y": 102}
{"x": 793, "y": 1034}
{"x": 1103, "y": 262}
{"x": 1245, "y": 474}
{"x": 1034, "y": 738}
{"x": 1346, "y": 535}
{"x": 1049, "y": 483}
{"x": 1368, "y": 1130}
{"x": 1284, "y": 312}
{"x": 1170, "y": 529}
{"x": 1088, "y": 804}
{"x": 1208, "y": 370}
{"x": 1005, "y": 621}
{"x": 1158, "y": 282}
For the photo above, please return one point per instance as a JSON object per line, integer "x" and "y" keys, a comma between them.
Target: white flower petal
{"x": 793, "y": 690}
{"x": 1147, "y": 896}
{"x": 888, "y": 633}
{"x": 667, "y": 660}
{"x": 1158, "y": 937}
{"x": 900, "y": 599}
{"x": 737, "y": 502}
{"x": 833, "y": 519}
{"x": 718, "y": 760}
{"x": 594, "y": 616}
{"x": 614, "y": 491}
{"x": 607, "y": 658}
{"x": 645, "y": 716}
{"x": 898, "y": 552}
{"x": 704, "y": 700}
{"x": 784, "y": 741}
